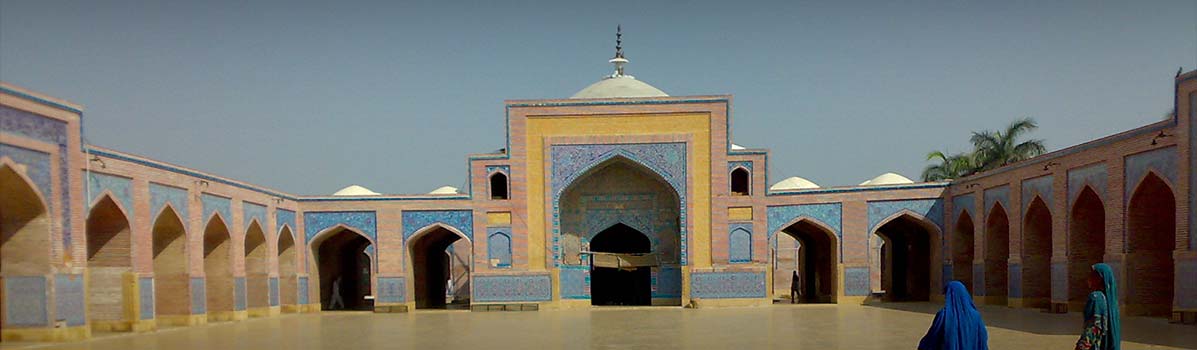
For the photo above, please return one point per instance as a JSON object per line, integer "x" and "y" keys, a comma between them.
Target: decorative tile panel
{"x": 391, "y": 290}
{"x": 37, "y": 167}
{"x": 747, "y": 165}
{"x": 363, "y": 221}
{"x": 1040, "y": 186}
{"x": 120, "y": 187}
{"x": 284, "y": 217}
{"x": 828, "y": 214}
{"x": 498, "y": 246}
{"x": 570, "y": 162}
{"x": 68, "y": 299}
{"x": 25, "y": 304}
{"x": 199, "y": 296}
{"x": 856, "y": 281}
{"x": 668, "y": 283}
{"x": 932, "y": 209}
{"x": 1161, "y": 161}
{"x": 145, "y": 297}
{"x": 1093, "y": 175}
{"x": 575, "y": 282}
{"x": 301, "y": 288}
{"x": 727, "y": 285}
{"x": 272, "y": 291}
{"x": 47, "y": 130}
{"x": 252, "y": 211}
{"x": 31, "y": 125}
{"x": 239, "y": 293}
{"x": 461, "y": 220}
{"x": 217, "y": 204}
{"x": 1059, "y": 281}
{"x": 1000, "y": 194}
{"x": 514, "y": 288}
{"x": 739, "y": 243}
{"x": 491, "y": 169}
{"x": 1014, "y": 280}
{"x": 160, "y": 195}
{"x": 964, "y": 202}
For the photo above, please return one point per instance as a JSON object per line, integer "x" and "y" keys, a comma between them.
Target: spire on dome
{"x": 618, "y": 60}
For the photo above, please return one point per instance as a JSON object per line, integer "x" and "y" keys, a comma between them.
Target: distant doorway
{"x": 620, "y": 285}
{"x": 344, "y": 270}
{"x": 906, "y": 259}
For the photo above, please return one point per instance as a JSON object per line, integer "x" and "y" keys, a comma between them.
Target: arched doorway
{"x": 612, "y": 284}
{"x": 814, "y": 261}
{"x": 1086, "y": 244}
{"x": 963, "y": 247}
{"x": 218, "y": 270}
{"x": 1151, "y": 239}
{"x": 435, "y": 253}
{"x": 257, "y": 269}
{"x": 171, "y": 277}
{"x": 341, "y": 262}
{"x": 997, "y": 255}
{"x": 620, "y": 191}
{"x": 906, "y": 263}
{"x": 287, "y": 271}
{"x": 25, "y": 228}
{"x": 108, "y": 260}
{"x": 1037, "y": 255}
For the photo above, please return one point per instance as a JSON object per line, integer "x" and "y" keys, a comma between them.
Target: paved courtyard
{"x": 885, "y": 326}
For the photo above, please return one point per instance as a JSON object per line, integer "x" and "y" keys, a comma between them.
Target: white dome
{"x": 887, "y": 179}
{"x": 445, "y": 190}
{"x": 619, "y": 86}
{"x": 355, "y": 190}
{"x": 793, "y": 183}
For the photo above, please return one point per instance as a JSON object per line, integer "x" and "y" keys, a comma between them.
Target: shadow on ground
{"x": 1145, "y": 330}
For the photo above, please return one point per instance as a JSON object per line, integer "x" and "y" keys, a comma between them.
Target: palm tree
{"x": 950, "y": 167}
{"x": 995, "y": 149}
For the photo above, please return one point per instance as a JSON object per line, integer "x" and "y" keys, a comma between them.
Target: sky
{"x": 309, "y": 97}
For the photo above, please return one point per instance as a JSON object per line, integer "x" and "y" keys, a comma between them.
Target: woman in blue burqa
{"x": 1103, "y": 328}
{"x": 958, "y": 325}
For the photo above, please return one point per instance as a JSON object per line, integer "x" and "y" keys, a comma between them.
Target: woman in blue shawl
{"x": 1102, "y": 326}
{"x": 958, "y": 325}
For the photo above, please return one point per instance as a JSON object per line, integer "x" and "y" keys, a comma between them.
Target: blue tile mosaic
{"x": 391, "y": 290}
{"x": 363, "y": 221}
{"x": 575, "y": 282}
{"x": 498, "y": 246}
{"x": 961, "y": 203}
{"x": 571, "y": 162}
{"x": 747, "y": 165}
{"x": 239, "y": 293}
{"x": 1093, "y": 176}
{"x": 727, "y": 285}
{"x": 120, "y": 187}
{"x": 199, "y": 296}
{"x": 856, "y": 281}
{"x": 461, "y": 220}
{"x": 145, "y": 297}
{"x": 1059, "y": 281}
{"x": 512, "y": 288}
{"x": 51, "y": 131}
{"x": 827, "y": 214}
{"x": 931, "y": 209}
{"x": 1162, "y": 162}
{"x": 491, "y": 169}
{"x": 301, "y": 290}
{"x": 251, "y": 212}
{"x": 1015, "y": 280}
{"x": 273, "y": 291}
{"x": 668, "y": 283}
{"x": 284, "y": 217}
{"x": 37, "y": 169}
{"x": 25, "y": 304}
{"x": 1040, "y": 186}
{"x": 739, "y": 245}
{"x": 1000, "y": 194}
{"x": 217, "y": 204}
{"x": 161, "y": 195}
{"x": 68, "y": 299}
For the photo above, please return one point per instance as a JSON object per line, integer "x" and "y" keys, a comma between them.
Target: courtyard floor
{"x": 879, "y": 326}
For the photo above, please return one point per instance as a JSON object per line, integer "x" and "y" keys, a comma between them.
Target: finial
{"x": 618, "y": 60}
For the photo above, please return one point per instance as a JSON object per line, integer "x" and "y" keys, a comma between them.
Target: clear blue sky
{"x": 310, "y": 97}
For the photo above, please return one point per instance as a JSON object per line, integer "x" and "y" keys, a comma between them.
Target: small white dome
{"x": 355, "y": 190}
{"x": 887, "y": 179}
{"x": 619, "y": 86}
{"x": 445, "y": 190}
{"x": 737, "y": 147}
{"x": 793, "y": 183}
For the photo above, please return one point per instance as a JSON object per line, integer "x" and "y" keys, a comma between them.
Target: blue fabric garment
{"x": 1113, "y": 337}
{"x": 958, "y": 325}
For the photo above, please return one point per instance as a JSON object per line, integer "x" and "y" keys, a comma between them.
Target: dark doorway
{"x": 997, "y": 256}
{"x": 1086, "y": 244}
{"x": 1037, "y": 255}
{"x": 1151, "y": 240}
{"x": 816, "y": 262}
{"x": 340, "y": 260}
{"x": 621, "y": 286}
{"x": 963, "y": 250}
{"x": 432, "y": 266}
{"x": 907, "y": 262}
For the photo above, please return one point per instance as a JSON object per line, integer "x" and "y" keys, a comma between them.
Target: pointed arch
{"x": 740, "y": 181}
{"x": 997, "y": 255}
{"x": 1151, "y": 240}
{"x": 1036, "y": 254}
{"x": 25, "y": 224}
{"x": 815, "y": 260}
{"x": 171, "y": 274}
{"x": 338, "y": 254}
{"x": 429, "y": 265}
{"x": 288, "y": 263}
{"x": 218, "y": 270}
{"x": 907, "y": 255}
{"x": 109, "y": 258}
{"x": 498, "y": 248}
{"x": 257, "y": 267}
{"x": 963, "y": 249}
{"x": 1086, "y": 243}
{"x": 499, "y": 186}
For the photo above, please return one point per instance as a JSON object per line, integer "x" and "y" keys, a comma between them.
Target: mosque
{"x": 618, "y": 195}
